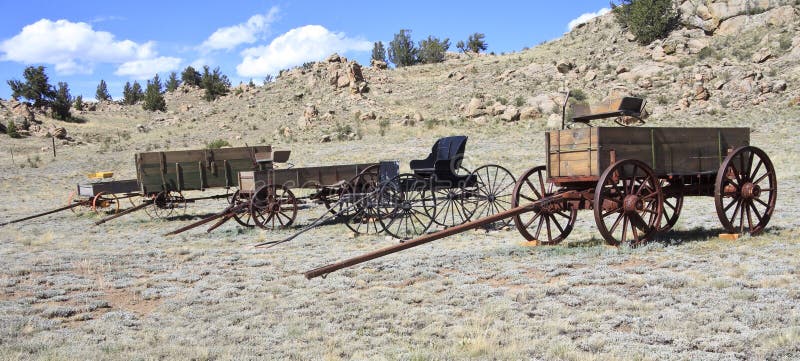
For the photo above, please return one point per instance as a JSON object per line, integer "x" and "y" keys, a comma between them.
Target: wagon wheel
{"x": 360, "y": 204}
{"x": 454, "y": 202}
{"x": 243, "y": 217}
{"x": 105, "y": 200}
{"x": 673, "y": 203}
{"x": 628, "y": 203}
{"x": 273, "y": 207}
{"x": 406, "y": 206}
{"x": 555, "y": 218}
{"x": 165, "y": 203}
{"x": 745, "y": 192}
{"x": 72, "y": 199}
{"x": 491, "y": 194}
{"x": 329, "y": 200}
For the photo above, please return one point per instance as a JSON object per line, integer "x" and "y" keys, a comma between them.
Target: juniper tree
{"x": 648, "y": 20}
{"x": 215, "y": 83}
{"x": 191, "y": 77}
{"x": 432, "y": 50}
{"x": 35, "y": 88}
{"x": 475, "y": 43}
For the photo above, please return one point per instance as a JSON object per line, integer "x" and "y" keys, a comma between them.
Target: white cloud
{"x": 245, "y": 33}
{"x": 147, "y": 68}
{"x": 299, "y": 45}
{"x": 586, "y": 17}
{"x": 71, "y": 47}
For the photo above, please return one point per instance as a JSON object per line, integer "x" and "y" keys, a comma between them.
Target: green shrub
{"x": 78, "y": 105}
{"x": 578, "y": 94}
{"x": 11, "y": 129}
{"x": 519, "y": 101}
{"x": 217, "y": 144}
{"x": 648, "y": 20}
{"x": 383, "y": 126}
{"x": 707, "y": 52}
{"x": 432, "y": 50}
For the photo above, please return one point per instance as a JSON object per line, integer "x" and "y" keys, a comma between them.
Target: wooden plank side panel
{"x": 572, "y": 152}
{"x": 672, "y": 150}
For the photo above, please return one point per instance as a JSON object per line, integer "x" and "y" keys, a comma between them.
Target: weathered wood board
{"x": 583, "y": 154}
{"x": 110, "y": 187}
{"x": 198, "y": 169}
{"x": 306, "y": 177}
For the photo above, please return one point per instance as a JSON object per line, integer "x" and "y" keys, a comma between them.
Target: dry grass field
{"x": 121, "y": 291}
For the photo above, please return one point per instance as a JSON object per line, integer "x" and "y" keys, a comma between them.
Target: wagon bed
{"x": 581, "y": 155}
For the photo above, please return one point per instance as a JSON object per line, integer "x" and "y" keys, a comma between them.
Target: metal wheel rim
{"x": 737, "y": 171}
{"x": 273, "y": 207}
{"x": 671, "y": 210}
{"x": 359, "y": 193}
{"x": 99, "y": 201}
{"x": 410, "y": 190}
{"x": 244, "y": 218}
{"x": 531, "y": 187}
{"x": 640, "y": 224}
{"x": 493, "y": 194}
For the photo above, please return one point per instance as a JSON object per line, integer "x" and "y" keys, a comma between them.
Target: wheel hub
{"x": 750, "y": 190}
{"x": 632, "y": 203}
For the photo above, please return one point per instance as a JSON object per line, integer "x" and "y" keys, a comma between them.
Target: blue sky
{"x": 81, "y": 42}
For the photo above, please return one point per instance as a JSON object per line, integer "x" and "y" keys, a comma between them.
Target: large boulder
{"x": 511, "y": 114}
{"x": 378, "y": 64}
{"x": 475, "y": 108}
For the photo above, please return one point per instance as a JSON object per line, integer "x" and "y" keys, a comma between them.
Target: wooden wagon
{"x": 634, "y": 180}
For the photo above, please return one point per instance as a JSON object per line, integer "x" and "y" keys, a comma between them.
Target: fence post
{"x": 54, "y": 147}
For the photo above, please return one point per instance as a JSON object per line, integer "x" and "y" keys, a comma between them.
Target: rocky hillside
{"x": 726, "y": 58}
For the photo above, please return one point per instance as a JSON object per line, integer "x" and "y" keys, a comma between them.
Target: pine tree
{"x": 78, "y": 105}
{"x": 191, "y": 77}
{"x": 432, "y": 50}
{"x": 102, "y": 92}
{"x": 173, "y": 82}
{"x": 153, "y": 99}
{"x": 215, "y": 83}
{"x": 401, "y": 50}
{"x": 35, "y": 88}
{"x": 378, "y": 52}
{"x": 127, "y": 94}
{"x": 136, "y": 92}
{"x": 62, "y": 102}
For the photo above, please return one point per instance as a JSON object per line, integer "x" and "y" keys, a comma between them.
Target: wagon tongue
{"x": 322, "y": 271}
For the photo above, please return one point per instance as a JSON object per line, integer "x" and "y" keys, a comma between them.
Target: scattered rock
{"x": 334, "y": 58}
{"x": 564, "y": 66}
{"x": 325, "y": 138}
{"x": 368, "y": 116}
{"x": 457, "y": 75}
{"x": 761, "y": 55}
{"x": 511, "y": 114}
{"x": 310, "y": 112}
{"x": 58, "y": 132}
{"x": 621, "y": 69}
{"x": 529, "y": 113}
{"x": 779, "y": 86}
{"x": 475, "y": 108}
{"x": 378, "y": 64}
{"x": 418, "y": 118}
{"x": 590, "y": 75}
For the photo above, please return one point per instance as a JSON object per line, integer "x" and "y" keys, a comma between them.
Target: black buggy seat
{"x": 443, "y": 161}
